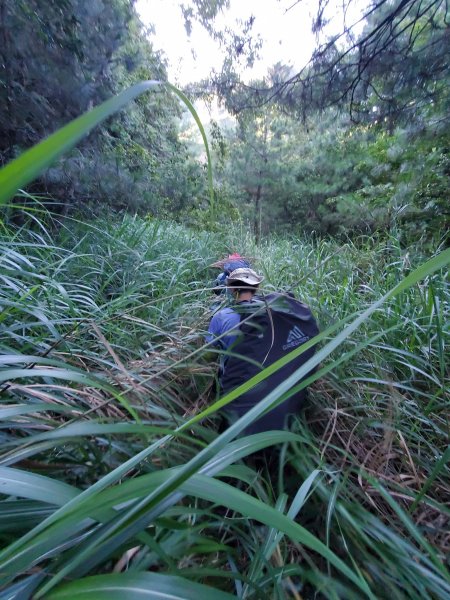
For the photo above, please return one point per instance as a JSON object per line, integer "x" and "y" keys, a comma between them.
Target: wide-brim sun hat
{"x": 248, "y": 276}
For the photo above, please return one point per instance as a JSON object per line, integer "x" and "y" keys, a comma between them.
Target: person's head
{"x": 243, "y": 282}
{"x": 231, "y": 263}
{"x": 228, "y": 265}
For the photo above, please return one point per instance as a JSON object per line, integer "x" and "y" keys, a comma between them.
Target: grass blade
{"x": 134, "y": 586}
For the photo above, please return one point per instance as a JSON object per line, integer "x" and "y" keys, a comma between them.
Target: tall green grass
{"x": 114, "y": 479}
{"x": 112, "y": 483}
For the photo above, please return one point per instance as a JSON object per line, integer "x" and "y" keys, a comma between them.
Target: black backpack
{"x": 270, "y": 328}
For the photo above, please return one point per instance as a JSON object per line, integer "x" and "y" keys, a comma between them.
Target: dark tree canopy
{"x": 61, "y": 58}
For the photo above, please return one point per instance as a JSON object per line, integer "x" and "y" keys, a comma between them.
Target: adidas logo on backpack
{"x": 295, "y": 338}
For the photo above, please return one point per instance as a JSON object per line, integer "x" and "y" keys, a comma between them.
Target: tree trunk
{"x": 5, "y": 60}
{"x": 257, "y": 217}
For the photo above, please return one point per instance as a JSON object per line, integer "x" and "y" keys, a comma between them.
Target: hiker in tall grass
{"x": 254, "y": 332}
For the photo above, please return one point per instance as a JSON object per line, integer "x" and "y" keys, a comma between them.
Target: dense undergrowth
{"x": 102, "y": 360}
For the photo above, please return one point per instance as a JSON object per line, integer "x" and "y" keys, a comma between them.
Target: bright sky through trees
{"x": 283, "y": 25}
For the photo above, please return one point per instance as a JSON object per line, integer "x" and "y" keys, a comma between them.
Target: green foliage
{"x": 346, "y": 146}
{"x": 142, "y": 585}
{"x": 61, "y": 59}
{"x": 341, "y": 179}
{"x": 287, "y": 166}
{"x": 105, "y": 467}
{"x": 114, "y": 476}
{"x": 262, "y": 155}
{"x": 430, "y": 206}
{"x": 404, "y": 185}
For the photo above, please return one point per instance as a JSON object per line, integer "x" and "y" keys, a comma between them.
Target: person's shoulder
{"x": 223, "y": 314}
{"x": 226, "y": 310}
{"x": 224, "y": 320}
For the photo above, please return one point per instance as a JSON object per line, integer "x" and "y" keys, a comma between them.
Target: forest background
{"x": 334, "y": 180}
{"x": 357, "y": 142}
